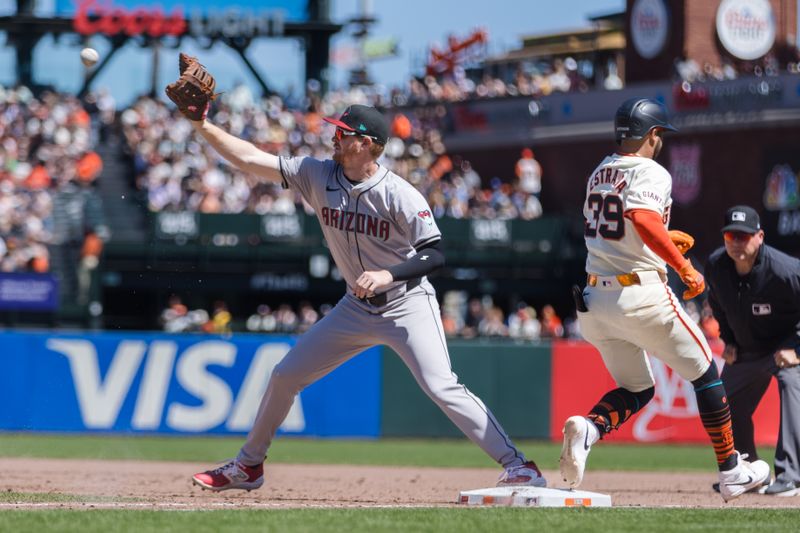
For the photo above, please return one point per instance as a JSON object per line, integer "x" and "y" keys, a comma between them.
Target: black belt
{"x": 379, "y": 300}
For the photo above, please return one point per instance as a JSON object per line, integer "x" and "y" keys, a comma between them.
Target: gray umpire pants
{"x": 746, "y": 383}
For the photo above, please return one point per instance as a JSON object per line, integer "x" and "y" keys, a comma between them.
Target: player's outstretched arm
{"x": 192, "y": 94}
{"x": 239, "y": 152}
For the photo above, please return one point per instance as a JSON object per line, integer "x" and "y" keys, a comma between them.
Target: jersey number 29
{"x": 606, "y": 218}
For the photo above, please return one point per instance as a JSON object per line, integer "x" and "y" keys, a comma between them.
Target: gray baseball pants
{"x": 412, "y": 327}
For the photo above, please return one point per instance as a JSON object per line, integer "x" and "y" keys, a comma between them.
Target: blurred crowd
{"x": 176, "y": 172}
{"x": 480, "y": 318}
{"x": 462, "y": 317}
{"x": 483, "y": 317}
{"x": 284, "y": 318}
{"x": 47, "y": 168}
{"x": 691, "y": 71}
{"x": 531, "y": 79}
{"x": 178, "y": 318}
{"x": 50, "y": 213}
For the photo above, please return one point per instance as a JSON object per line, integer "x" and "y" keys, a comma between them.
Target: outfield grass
{"x": 392, "y": 452}
{"x": 411, "y": 520}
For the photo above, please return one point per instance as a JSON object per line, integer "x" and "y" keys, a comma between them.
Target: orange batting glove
{"x": 693, "y": 279}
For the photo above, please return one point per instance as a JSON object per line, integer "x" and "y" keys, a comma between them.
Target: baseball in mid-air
{"x": 89, "y": 56}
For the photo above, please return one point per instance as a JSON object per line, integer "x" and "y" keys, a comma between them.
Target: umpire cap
{"x": 742, "y": 218}
{"x": 637, "y": 116}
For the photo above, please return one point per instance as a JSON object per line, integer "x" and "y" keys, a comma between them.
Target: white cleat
{"x": 743, "y": 477}
{"x": 579, "y": 435}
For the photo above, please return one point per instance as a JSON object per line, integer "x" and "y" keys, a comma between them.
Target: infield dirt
{"x": 165, "y": 485}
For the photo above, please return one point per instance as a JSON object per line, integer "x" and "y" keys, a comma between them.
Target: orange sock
{"x": 718, "y": 426}
{"x": 715, "y": 413}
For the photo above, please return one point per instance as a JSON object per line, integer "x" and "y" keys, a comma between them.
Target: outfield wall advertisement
{"x": 188, "y": 384}
{"x": 203, "y": 384}
{"x": 579, "y": 380}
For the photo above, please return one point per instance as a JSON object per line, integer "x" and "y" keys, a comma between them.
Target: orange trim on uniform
{"x": 677, "y": 312}
{"x": 651, "y": 229}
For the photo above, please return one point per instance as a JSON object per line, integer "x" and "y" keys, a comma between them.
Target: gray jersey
{"x": 369, "y": 225}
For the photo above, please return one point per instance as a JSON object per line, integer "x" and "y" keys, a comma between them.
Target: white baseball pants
{"x": 628, "y": 323}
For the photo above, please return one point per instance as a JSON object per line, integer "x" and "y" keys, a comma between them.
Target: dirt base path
{"x": 161, "y": 485}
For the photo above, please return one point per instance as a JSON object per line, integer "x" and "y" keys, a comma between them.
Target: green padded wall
{"x": 513, "y": 380}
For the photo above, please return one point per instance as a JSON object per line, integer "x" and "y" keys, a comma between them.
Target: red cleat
{"x": 525, "y": 474}
{"x": 233, "y": 475}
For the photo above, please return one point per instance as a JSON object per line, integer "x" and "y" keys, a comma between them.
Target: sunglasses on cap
{"x": 339, "y": 133}
{"x": 739, "y": 236}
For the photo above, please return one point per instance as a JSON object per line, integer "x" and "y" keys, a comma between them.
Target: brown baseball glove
{"x": 682, "y": 241}
{"x": 194, "y": 90}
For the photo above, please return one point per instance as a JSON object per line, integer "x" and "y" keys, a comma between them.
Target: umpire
{"x": 754, "y": 292}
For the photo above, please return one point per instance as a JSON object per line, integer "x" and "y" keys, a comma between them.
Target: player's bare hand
{"x": 371, "y": 281}
{"x": 729, "y": 354}
{"x": 786, "y": 358}
{"x": 693, "y": 279}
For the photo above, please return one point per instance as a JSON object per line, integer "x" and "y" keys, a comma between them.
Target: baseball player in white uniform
{"x": 384, "y": 240}
{"x": 627, "y": 310}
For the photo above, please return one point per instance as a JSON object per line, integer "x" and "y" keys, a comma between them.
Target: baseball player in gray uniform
{"x": 384, "y": 240}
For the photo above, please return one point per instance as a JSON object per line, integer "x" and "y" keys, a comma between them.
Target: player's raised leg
{"x": 580, "y": 434}
{"x": 417, "y": 336}
{"x": 629, "y": 366}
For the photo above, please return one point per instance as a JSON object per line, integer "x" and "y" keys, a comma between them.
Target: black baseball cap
{"x": 742, "y": 218}
{"x": 364, "y": 120}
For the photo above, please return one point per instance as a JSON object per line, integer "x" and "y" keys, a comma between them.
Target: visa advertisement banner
{"x": 580, "y": 379}
{"x": 155, "y": 383}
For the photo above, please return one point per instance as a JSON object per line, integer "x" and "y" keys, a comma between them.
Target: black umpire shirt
{"x": 759, "y": 312}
